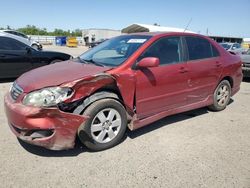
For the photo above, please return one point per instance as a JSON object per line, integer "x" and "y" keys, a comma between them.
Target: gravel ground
{"x": 193, "y": 149}
{"x": 74, "y": 51}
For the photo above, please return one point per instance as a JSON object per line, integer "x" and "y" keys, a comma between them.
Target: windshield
{"x": 115, "y": 51}
{"x": 225, "y": 46}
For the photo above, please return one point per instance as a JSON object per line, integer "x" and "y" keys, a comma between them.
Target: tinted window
{"x": 199, "y": 48}
{"x": 17, "y": 34}
{"x": 215, "y": 52}
{"x": 11, "y": 44}
{"x": 168, "y": 50}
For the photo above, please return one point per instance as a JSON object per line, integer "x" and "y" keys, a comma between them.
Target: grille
{"x": 15, "y": 91}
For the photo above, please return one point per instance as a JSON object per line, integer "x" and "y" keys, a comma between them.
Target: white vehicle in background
{"x": 22, "y": 38}
{"x": 233, "y": 47}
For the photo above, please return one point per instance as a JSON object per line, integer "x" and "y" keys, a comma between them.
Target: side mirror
{"x": 149, "y": 62}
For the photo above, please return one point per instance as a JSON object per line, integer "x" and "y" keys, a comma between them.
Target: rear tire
{"x": 221, "y": 97}
{"x": 106, "y": 125}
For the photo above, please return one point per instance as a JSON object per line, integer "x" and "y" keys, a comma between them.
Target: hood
{"x": 57, "y": 74}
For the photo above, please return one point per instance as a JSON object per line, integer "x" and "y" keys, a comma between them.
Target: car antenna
{"x": 187, "y": 25}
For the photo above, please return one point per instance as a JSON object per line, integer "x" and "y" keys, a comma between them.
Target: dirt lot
{"x": 74, "y": 51}
{"x": 194, "y": 149}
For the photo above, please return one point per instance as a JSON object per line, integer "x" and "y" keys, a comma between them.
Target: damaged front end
{"x": 47, "y": 127}
{"x": 106, "y": 85}
{"x": 56, "y": 127}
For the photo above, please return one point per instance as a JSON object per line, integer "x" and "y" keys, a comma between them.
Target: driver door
{"x": 164, "y": 87}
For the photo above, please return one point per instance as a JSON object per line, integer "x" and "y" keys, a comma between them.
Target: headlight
{"x": 47, "y": 97}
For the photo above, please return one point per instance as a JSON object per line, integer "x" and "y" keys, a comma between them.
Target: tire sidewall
{"x": 84, "y": 131}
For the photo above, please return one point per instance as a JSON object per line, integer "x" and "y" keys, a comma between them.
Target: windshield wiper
{"x": 92, "y": 61}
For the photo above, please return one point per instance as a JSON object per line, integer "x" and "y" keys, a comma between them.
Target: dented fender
{"x": 87, "y": 86}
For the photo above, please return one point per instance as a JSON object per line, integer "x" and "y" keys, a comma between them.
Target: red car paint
{"x": 147, "y": 94}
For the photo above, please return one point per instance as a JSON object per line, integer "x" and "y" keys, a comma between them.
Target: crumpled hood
{"x": 56, "y": 74}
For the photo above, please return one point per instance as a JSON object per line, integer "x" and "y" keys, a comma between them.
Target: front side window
{"x": 115, "y": 51}
{"x": 167, "y": 49}
{"x": 199, "y": 48}
{"x": 7, "y": 43}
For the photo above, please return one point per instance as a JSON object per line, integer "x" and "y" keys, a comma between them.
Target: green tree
{"x": 33, "y": 30}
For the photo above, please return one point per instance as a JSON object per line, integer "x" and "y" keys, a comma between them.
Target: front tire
{"x": 106, "y": 125}
{"x": 221, "y": 96}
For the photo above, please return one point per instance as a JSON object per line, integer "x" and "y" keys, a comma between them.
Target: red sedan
{"x": 128, "y": 81}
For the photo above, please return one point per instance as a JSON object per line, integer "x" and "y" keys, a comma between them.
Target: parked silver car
{"x": 22, "y": 38}
{"x": 233, "y": 47}
{"x": 246, "y": 63}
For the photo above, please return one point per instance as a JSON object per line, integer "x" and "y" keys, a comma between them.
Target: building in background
{"x": 227, "y": 39}
{"x": 92, "y": 35}
{"x": 137, "y": 27}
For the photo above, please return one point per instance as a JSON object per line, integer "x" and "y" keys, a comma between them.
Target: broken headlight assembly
{"x": 48, "y": 97}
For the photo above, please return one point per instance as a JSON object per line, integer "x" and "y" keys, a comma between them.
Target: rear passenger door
{"x": 14, "y": 59}
{"x": 205, "y": 67}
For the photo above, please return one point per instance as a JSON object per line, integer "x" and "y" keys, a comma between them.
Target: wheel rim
{"x": 106, "y": 125}
{"x": 223, "y": 95}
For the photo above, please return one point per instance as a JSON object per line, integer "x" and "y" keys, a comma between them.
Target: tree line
{"x": 33, "y": 30}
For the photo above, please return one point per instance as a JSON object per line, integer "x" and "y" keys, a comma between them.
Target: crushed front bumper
{"x": 46, "y": 127}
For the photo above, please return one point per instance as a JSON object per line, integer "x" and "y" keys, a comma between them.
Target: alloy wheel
{"x": 106, "y": 125}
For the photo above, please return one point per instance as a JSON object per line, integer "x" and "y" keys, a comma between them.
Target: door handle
{"x": 183, "y": 70}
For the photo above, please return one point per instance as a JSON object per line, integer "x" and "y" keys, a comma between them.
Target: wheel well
{"x": 115, "y": 90}
{"x": 109, "y": 91}
{"x": 112, "y": 89}
{"x": 228, "y": 78}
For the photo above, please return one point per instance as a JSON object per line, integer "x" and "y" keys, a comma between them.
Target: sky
{"x": 218, "y": 17}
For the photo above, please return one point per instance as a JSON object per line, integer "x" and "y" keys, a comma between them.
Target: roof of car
{"x": 229, "y": 43}
{"x": 164, "y": 33}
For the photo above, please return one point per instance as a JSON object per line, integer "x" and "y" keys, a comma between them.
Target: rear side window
{"x": 167, "y": 49}
{"x": 236, "y": 46}
{"x": 11, "y": 44}
{"x": 199, "y": 48}
{"x": 17, "y": 34}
